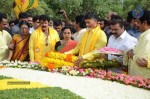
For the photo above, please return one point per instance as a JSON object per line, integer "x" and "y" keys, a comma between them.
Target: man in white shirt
{"x": 5, "y": 37}
{"x": 58, "y": 26}
{"x": 36, "y": 24}
{"x": 120, "y": 39}
{"x": 80, "y": 27}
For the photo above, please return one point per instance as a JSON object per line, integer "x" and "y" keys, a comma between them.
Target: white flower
{"x": 12, "y": 62}
{"x": 73, "y": 72}
{"x": 15, "y": 64}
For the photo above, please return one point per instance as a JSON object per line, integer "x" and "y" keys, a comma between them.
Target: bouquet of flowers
{"x": 55, "y": 60}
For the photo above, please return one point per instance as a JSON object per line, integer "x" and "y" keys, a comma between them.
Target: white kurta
{"x": 77, "y": 36}
{"x": 5, "y": 39}
{"x": 142, "y": 50}
{"x": 124, "y": 42}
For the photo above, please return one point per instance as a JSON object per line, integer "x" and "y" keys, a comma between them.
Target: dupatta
{"x": 93, "y": 39}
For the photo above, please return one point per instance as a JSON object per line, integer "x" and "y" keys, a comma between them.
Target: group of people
{"x": 32, "y": 37}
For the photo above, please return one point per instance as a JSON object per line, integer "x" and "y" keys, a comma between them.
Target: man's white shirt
{"x": 123, "y": 43}
{"x": 77, "y": 36}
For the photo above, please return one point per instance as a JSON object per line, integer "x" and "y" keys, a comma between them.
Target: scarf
{"x": 92, "y": 41}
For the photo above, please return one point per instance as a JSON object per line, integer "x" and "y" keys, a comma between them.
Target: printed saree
{"x": 21, "y": 49}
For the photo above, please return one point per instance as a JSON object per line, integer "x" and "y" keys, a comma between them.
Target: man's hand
{"x": 143, "y": 62}
{"x": 11, "y": 46}
{"x": 64, "y": 13}
{"x": 130, "y": 54}
{"x": 77, "y": 62}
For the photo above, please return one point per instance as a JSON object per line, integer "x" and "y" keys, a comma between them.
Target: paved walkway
{"x": 89, "y": 88}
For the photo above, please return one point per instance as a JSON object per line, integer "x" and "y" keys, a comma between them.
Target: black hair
{"x": 98, "y": 18}
{"x": 130, "y": 17}
{"x": 57, "y": 22}
{"x": 29, "y": 15}
{"x": 105, "y": 21}
{"x": 44, "y": 18}
{"x": 91, "y": 15}
{"x": 11, "y": 21}
{"x": 68, "y": 27}
{"x": 24, "y": 23}
{"x": 113, "y": 17}
{"x": 145, "y": 17}
{"x": 35, "y": 18}
{"x": 23, "y": 15}
{"x": 81, "y": 21}
{"x": 117, "y": 21}
{"x": 2, "y": 16}
{"x": 16, "y": 21}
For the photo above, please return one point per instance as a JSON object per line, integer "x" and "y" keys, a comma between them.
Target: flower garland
{"x": 100, "y": 63}
{"x": 86, "y": 72}
{"x": 56, "y": 60}
{"x": 19, "y": 64}
{"x": 106, "y": 75}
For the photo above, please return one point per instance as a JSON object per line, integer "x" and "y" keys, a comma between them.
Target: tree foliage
{"x": 6, "y": 6}
{"x": 77, "y": 7}
{"x": 41, "y": 9}
{"x": 131, "y": 4}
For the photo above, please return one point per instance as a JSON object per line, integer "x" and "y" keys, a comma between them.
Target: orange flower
{"x": 68, "y": 58}
{"x": 50, "y": 65}
{"x": 46, "y": 54}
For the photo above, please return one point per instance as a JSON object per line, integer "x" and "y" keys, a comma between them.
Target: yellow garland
{"x": 56, "y": 60}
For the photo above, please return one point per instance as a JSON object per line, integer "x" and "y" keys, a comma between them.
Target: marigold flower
{"x": 46, "y": 54}
{"x": 50, "y": 65}
{"x": 56, "y": 60}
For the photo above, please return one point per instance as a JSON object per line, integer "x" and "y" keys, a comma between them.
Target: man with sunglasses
{"x": 42, "y": 39}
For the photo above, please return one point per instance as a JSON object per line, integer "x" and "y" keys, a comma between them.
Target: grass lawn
{"x": 37, "y": 93}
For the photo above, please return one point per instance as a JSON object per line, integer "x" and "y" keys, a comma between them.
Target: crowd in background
{"x": 28, "y": 38}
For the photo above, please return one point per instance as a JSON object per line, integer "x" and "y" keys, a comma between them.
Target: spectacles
{"x": 46, "y": 40}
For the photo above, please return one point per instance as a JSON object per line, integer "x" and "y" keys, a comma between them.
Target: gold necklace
{"x": 46, "y": 40}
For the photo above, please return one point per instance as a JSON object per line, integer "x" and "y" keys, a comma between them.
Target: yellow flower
{"x": 62, "y": 56}
{"x": 44, "y": 61}
{"x": 58, "y": 59}
{"x": 57, "y": 55}
{"x": 74, "y": 58}
{"x": 70, "y": 64}
{"x": 62, "y": 62}
{"x": 51, "y": 55}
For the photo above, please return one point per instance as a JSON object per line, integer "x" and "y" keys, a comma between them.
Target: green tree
{"x": 131, "y": 4}
{"x": 6, "y": 7}
{"x": 77, "y": 7}
{"x": 41, "y": 9}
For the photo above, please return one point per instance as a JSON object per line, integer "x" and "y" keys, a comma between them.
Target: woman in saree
{"x": 67, "y": 43}
{"x": 19, "y": 46}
